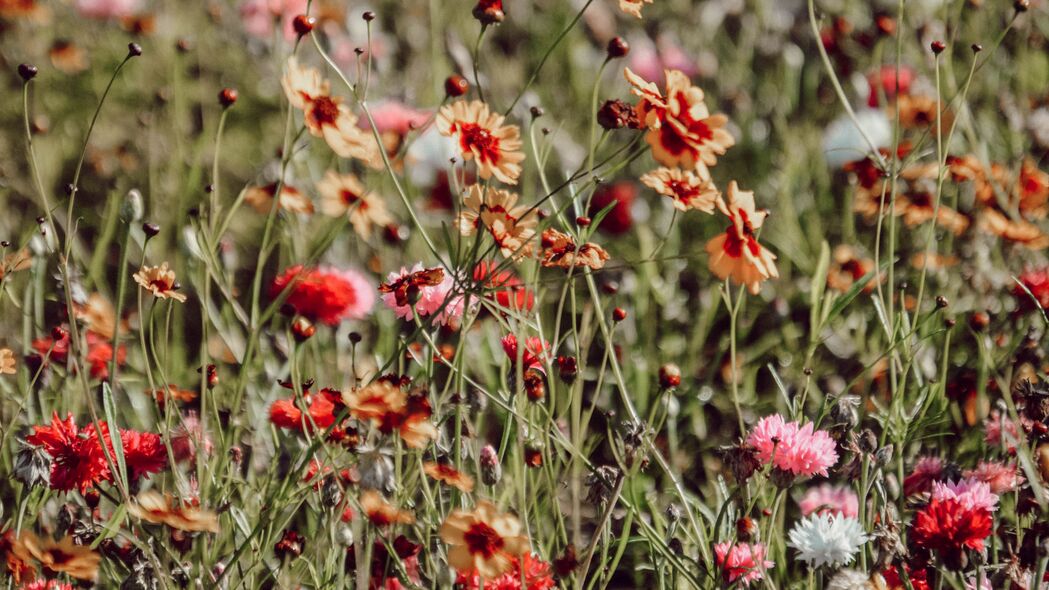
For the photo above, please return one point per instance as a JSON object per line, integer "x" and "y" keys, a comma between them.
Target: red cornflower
{"x": 326, "y": 295}
{"x": 99, "y": 352}
{"x": 918, "y": 577}
{"x": 144, "y": 453}
{"x": 323, "y": 406}
{"x": 77, "y": 460}
{"x": 506, "y": 288}
{"x": 533, "y": 354}
{"x": 947, "y": 528}
{"x": 536, "y": 572}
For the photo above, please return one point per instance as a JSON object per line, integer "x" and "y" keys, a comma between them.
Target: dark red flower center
{"x": 483, "y": 539}
{"x": 473, "y": 137}
{"x": 324, "y": 110}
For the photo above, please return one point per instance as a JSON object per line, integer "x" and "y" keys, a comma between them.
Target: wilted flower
{"x": 827, "y": 539}
{"x": 159, "y": 508}
{"x": 429, "y": 289}
{"x": 741, "y": 561}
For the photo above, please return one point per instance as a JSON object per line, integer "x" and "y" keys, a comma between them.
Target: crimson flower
{"x": 505, "y": 287}
{"x": 620, "y": 196}
{"x": 326, "y": 295}
{"x": 535, "y": 350}
{"x": 322, "y": 407}
{"x": 946, "y": 528}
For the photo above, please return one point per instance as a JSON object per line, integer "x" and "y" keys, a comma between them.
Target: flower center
{"x": 483, "y": 539}
{"x": 324, "y": 110}
{"x": 475, "y": 138}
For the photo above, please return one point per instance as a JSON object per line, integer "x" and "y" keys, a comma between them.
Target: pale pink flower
{"x": 650, "y": 59}
{"x": 1002, "y": 477}
{"x": 259, "y": 17}
{"x": 1006, "y": 437}
{"x": 970, "y": 493}
{"x": 107, "y": 9}
{"x": 742, "y": 562}
{"x": 432, "y": 300}
{"x": 396, "y": 117}
{"x": 826, "y": 498}
{"x": 801, "y": 450}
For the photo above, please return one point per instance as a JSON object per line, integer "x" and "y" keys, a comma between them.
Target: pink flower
{"x": 800, "y": 450}
{"x": 438, "y": 301}
{"x": 188, "y": 437}
{"x": 970, "y": 493}
{"x": 827, "y": 498}
{"x": 649, "y": 60}
{"x": 107, "y": 9}
{"x": 1000, "y": 430}
{"x": 259, "y": 16}
{"x": 925, "y": 472}
{"x": 396, "y": 117}
{"x": 1002, "y": 477}
{"x": 326, "y": 294}
{"x": 534, "y": 352}
{"x": 742, "y": 562}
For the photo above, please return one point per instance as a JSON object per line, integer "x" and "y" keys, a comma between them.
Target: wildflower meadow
{"x": 524, "y": 294}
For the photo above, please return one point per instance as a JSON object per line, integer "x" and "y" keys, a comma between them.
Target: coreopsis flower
{"x": 483, "y": 137}
{"x": 847, "y": 267}
{"x": 1032, "y": 190}
{"x": 483, "y": 540}
{"x": 1019, "y": 231}
{"x": 98, "y": 316}
{"x": 532, "y": 356}
{"x": 560, "y": 251}
{"x": 157, "y": 508}
{"x": 504, "y": 287}
{"x": 971, "y": 493}
{"x": 327, "y": 116}
{"x": 390, "y": 409}
{"x": 381, "y": 512}
{"x": 687, "y": 189}
{"x": 528, "y": 572}
{"x": 633, "y": 7}
{"x": 925, "y": 472}
{"x": 1001, "y": 477}
{"x": 322, "y": 408}
{"x": 920, "y": 112}
{"x": 797, "y": 449}
{"x": 7, "y": 361}
{"x": 291, "y": 199}
{"x": 63, "y": 556}
{"x": 511, "y": 226}
{"x": 160, "y": 281}
{"x": 827, "y": 539}
{"x": 326, "y": 294}
{"x": 12, "y": 565}
{"x": 681, "y": 130}
{"x": 947, "y": 528}
{"x": 742, "y": 562}
{"x": 343, "y": 194}
{"x": 736, "y": 254}
{"x": 447, "y": 474}
{"x": 429, "y": 289}
{"x": 832, "y": 499}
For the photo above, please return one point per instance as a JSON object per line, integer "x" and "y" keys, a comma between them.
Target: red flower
{"x": 1037, "y": 282}
{"x": 537, "y": 576}
{"x": 533, "y": 354}
{"x": 506, "y": 289}
{"x": 885, "y": 80}
{"x": 326, "y": 295}
{"x": 323, "y": 407}
{"x": 77, "y": 460}
{"x": 383, "y": 576}
{"x": 894, "y": 577}
{"x": 144, "y": 453}
{"x": 947, "y": 528}
{"x": 99, "y": 352}
{"x": 621, "y": 196}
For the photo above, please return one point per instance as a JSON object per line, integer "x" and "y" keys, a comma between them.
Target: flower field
{"x": 524, "y": 294}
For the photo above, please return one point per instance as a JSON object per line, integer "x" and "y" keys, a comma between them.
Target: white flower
{"x": 843, "y": 141}
{"x": 827, "y": 539}
{"x": 847, "y": 579}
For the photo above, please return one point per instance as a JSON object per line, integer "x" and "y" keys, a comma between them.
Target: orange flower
{"x": 327, "y": 116}
{"x": 933, "y": 262}
{"x": 848, "y": 267}
{"x": 390, "y": 409}
{"x": 445, "y": 473}
{"x": 98, "y": 315}
{"x": 157, "y": 508}
{"x": 63, "y": 557}
{"x": 736, "y": 253}
{"x": 375, "y": 400}
{"x": 1032, "y": 188}
{"x": 174, "y": 392}
{"x": 560, "y": 250}
{"x": 512, "y": 226}
{"x": 261, "y": 198}
{"x": 381, "y": 512}
{"x": 483, "y": 540}
{"x": 160, "y": 281}
{"x": 483, "y": 137}
{"x": 343, "y": 194}
{"x": 7, "y": 361}
{"x": 682, "y": 132}
{"x": 920, "y": 111}
{"x": 1022, "y": 232}
{"x": 633, "y": 7}
{"x": 686, "y": 189}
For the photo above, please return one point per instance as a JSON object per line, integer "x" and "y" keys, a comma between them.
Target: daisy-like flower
{"x": 326, "y": 294}
{"x": 827, "y": 498}
{"x": 971, "y": 493}
{"x": 390, "y": 409}
{"x": 535, "y": 573}
{"x": 483, "y": 540}
{"x": 686, "y": 189}
{"x": 633, "y": 7}
{"x": 741, "y": 561}
{"x": 512, "y": 226}
{"x": 848, "y": 267}
{"x": 827, "y": 539}
{"x": 947, "y": 528}
{"x": 1019, "y": 231}
{"x": 7, "y": 361}
{"x": 343, "y": 194}
{"x": 327, "y": 116}
{"x": 736, "y": 254}
{"x": 291, "y": 199}
{"x": 429, "y": 289}
{"x": 381, "y": 512}
{"x": 1001, "y": 477}
{"x": 160, "y": 281}
{"x": 63, "y": 556}
{"x": 791, "y": 447}
{"x": 917, "y": 111}
{"x": 682, "y": 132}
{"x": 447, "y": 474}
{"x": 157, "y": 508}
{"x": 560, "y": 251}
{"x": 98, "y": 315}
{"x": 483, "y": 137}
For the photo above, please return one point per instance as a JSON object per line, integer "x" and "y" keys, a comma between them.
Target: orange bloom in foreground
{"x": 160, "y": 281}
{"x": 1020, "y": 231}
{"x": 686, "y": 189}
{"x": 445, "y": 473}
{"x": 261, "y": 198}
{"x": 682, "y": 132}
{"x": 560, "y": 250}
{"x": 847, "y": 268}
{"x": 381, "y": 512}
{"x": 483, "y": 137}
{"x": 343, "y": 194}
{"x": 158, "y": 508}
{"x": 484, "y": 540}
{"x": 512, "y": 226}
{"x": 736, "y": 253}
{"x": 633, "y": 7}
{"x": 63, "y": 556}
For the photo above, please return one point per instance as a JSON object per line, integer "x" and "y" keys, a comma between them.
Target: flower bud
{"x": 938, "y": 47}
{"x": 132, "y": 208}
{"x": 534, "y": 386}
{"x": 303, "y": 329}
{"x": 669, "y": 376}
{"x": 567, "y": 369}
{"x": 489, "y": 12}
{"x": 290, "y": 546}
{"x": 227, "y": 97}
{"x": 27, "y": 72}
{"x": 491, "y": 469}
{"x": 456, "y": 85}
{"x": 618, "y": 47}
{"x": 134, "y": 49}
{"x": 303, "y": 24}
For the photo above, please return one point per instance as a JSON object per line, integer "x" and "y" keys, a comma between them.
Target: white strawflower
{"x": 827, "y": 539}
{"x": 847, "y": 579}
{"x": 843, "y": 141}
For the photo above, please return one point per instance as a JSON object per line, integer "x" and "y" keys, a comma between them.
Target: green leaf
{"x": 114, "y": 434}
{"x": 818, "y": 287}
{"x": 844, "y": 300}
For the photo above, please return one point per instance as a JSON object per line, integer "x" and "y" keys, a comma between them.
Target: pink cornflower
{"x": 971, "y": 493}
{"x": 107, "y": 9}
{"x": 742, "y": 562}
{"x": 259, "y": 16}
{"x": 826, "y": 498}
{"x": 925, "y": 472}
{"x": 1001, "y": 430}
{"x": 1001, "y": 477}
{"x": 188, "y": 438}
{"x": 437, "y": 300}
{"x": 801, "y": 450}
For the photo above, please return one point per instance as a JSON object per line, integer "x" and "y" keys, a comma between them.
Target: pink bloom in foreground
{"x": 107, "y": 9}
{"x": 259, "y": 16}
{"x": 801, "y": 450}
{"x": 396, "y": 117}
{"x": 971, "y": 493}
{"x": 1002, "y": 477}
{"x": 742, "y": 562}
{"x": 827, "y": 498}
{"x": 436, "y": 301}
